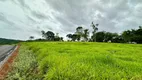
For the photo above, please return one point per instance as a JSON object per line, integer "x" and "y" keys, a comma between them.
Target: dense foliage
{"x": 133, "y": 35}
{"x": 8, "y": 41}
{"x": 83, "y": 35}
{"x": 128, "y": 36}
{"x": 50, "y": 36}
{"x": 87, "y": 61}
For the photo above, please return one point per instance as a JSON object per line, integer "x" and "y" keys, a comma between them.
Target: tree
{"x": 79, "y": 32}
{"x": 95, "y": 29}
{"x": 69, "y": 36}
{"x": 110, "y": 36}
{"x": 127, "y": 36}
{"x": 31, "y": 37}
{"x": 57, "y": 38}
{"x": 86, "y": 34}
{"x": 61, "y": 39}
{"x": 74, "y": 37}
{"x": 106, "y": 36}
{"x": 50, "y": 36}
{"x": 57, "y": 35}
{"x": 43, "y": 34}
{"x": 140, "y": 27}
{"x": 118, "y": 39}
{"x": 100, "y": 36}
{"x": 133, "y": 35}
{"x": 78, "y": 37}
{"x": 136, "y": 35}
{"x": 139, "y": 33}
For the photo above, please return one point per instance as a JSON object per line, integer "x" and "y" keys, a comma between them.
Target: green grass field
{"x": 87, "y": 61}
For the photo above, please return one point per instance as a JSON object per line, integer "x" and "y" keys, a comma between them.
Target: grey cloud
{"x": 39, "y": 15}
{"x": 66, "y": 24}
{"x": 22, "y": 3}
{"x": 64, "y": 16}
{"x": 3, "y": 0}
{"x": 73, "y": 12}
{"x": 31, "y": 19}
{"x": 5, "y": 19}
{"x": 27, "y": 8}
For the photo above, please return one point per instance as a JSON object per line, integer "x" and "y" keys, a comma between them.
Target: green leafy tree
{"x": 110, "y": 36}
{"x": 100, "y": 36}
{"x": 61, "y": 39}
{"x": 69, "y": 36}
{"x": 126, "y": 36}
{"x": 78, "y": 37}
{"x": 118, "y": 39}
{"x": 136, "y": 35}
{"x": 31, "y": 37}
{"x": 79, "y": 32}
{"x": 43, "y": 34}
{"x": 139, "y": 35}
{"x": 57, "y": 38}
{"x": 86, "y": 34}
{"x": 106, "y": 36}
{"x": 95, "y": 29}
{"x": 50, "y": 36}
{"x": 74, "y": 37}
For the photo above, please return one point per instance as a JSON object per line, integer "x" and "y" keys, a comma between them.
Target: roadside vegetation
{"x": 25, "y": 66}
{"x": 78, "y": 61}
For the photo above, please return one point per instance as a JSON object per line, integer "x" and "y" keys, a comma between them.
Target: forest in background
{"x": 83, "y": 35}
{"x": 8, "y": 41}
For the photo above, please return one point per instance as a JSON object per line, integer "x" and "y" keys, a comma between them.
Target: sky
{"x": 20, "y": 19}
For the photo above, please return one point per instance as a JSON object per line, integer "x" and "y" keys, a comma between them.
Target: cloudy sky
{"x": 20, "y": 19}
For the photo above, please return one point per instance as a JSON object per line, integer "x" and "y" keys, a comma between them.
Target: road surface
{"x": 5, "y": 50}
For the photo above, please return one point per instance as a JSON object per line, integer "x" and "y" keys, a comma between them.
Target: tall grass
{"x": 25, "y": 67}
{"x": 88, "y": 61}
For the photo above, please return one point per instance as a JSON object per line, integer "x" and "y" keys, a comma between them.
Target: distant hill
{"x": 8, "y": 41}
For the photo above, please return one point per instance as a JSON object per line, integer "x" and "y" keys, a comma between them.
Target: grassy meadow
{"x": 85, "y": 61}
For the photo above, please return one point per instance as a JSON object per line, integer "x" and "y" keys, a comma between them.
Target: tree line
{"x": 81, "y": 34}
{"x": 4, "y": 41}
{"x": 128, "y": 36}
